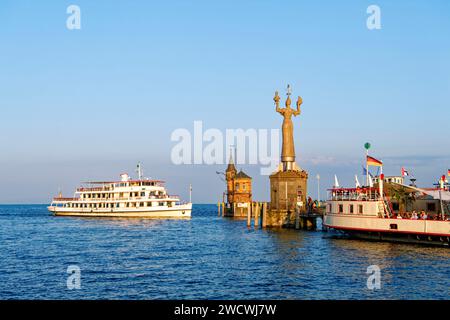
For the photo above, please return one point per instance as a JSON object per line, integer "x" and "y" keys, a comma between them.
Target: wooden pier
{"x": 258, "y": 215}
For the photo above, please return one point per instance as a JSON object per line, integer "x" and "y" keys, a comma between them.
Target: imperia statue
{"x": 288, "y": 150}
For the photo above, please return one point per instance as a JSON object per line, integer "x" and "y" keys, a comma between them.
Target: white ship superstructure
{"x": 367, "y": 212}
{"x": 125, "y": 198}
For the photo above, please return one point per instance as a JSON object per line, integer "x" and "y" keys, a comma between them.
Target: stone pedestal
{"x": 288, "y": 189}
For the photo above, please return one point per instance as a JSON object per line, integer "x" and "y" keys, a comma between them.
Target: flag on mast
{"x": 448, "y": 172}
{"x": 371, "y": 161}
{"x": 365, "y": 172}
{"x": 404, "y": 172}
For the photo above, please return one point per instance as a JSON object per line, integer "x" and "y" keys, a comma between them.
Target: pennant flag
{"x": 404, "y": 172}
{"x": 374, "y": 162}
{"x": 358, "y": 185}
{"x": 448, "y": 172}
{"x": 336, "y": 182}
{"x": 365, "y": 172}
{"x": 370, "y": 181}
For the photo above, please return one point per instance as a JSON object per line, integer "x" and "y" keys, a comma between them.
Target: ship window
{"x": 431, "y": 206}
{"x": 341, "y": 208}
{"x": 142, "y": 194}
{"x": 360, "y": 209}
{"x": 237, "y": 186}
{"x": 351, "y": 208}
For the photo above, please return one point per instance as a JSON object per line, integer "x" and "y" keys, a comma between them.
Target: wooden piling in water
{"x": 297, "y": 218}
{"x": 264, "y": 215}
{"x": 256, "y": 224}
{"x": 249, "y": 214}
{"x": 218, "y": 208}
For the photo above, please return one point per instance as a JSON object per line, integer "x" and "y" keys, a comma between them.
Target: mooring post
{"x": 256, "y": 215}
{"x": 297, "y": 218}
{"x": 264, "y": 215}
{"x": 218, "y": 208}
{"x": 249, "y": 214}
{"x": 223, "y": 209}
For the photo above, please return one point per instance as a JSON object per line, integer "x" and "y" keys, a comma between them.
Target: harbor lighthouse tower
{"x": 239, "y": 191}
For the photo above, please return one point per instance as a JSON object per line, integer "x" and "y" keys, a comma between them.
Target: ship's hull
{"x": 399, "y": 238}
{"x": 399, "y": 230}
{"x": 179, "y": 212}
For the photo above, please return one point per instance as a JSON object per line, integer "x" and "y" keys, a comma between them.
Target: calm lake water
{"x": 206, "y": 257}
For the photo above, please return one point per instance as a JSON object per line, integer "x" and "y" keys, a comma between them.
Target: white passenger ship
{"x": 371, "y": 213}
{"x": 125, "y": 198}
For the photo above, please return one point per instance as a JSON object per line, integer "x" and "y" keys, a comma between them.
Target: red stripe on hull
{"x": 388, "y": 231}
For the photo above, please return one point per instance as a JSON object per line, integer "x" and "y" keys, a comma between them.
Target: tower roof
{"x": 231, "y": 166}
{"x": 242, "y": 175}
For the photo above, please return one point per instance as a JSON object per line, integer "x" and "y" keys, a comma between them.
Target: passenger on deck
{"x": 414, "y": 215}
{"x": 423, "y": 215}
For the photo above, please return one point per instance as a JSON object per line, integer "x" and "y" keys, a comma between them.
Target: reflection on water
{"x": 205, "y": 257}
{"x": 121, "y": 222}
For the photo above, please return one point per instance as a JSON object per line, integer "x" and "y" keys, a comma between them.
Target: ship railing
{"x": 94, "y": 189}
{"x": 65, "y": 199}
{"x": 359, "y": 197}
{"x": 171, "y": 197}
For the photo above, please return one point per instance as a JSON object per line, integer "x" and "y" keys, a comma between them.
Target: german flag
{"x": 374, "y": 162}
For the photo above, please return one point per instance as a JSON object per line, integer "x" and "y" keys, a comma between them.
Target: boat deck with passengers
{"x": 391, "y": 211}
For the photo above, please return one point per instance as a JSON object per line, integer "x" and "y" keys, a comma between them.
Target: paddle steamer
{"x": 391, "y": 211}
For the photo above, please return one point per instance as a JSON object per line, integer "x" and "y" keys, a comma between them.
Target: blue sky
{"x": 89, "y": 104}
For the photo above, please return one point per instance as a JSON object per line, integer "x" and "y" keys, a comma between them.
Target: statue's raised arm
{"x": 299, "y": 103}
{"x": 277, "y": 102}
